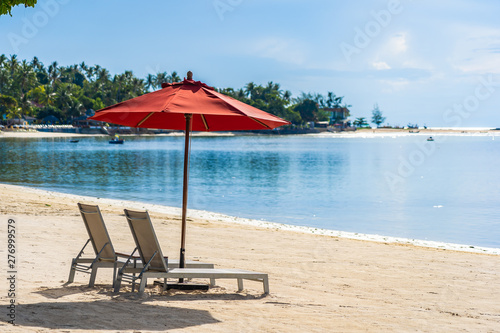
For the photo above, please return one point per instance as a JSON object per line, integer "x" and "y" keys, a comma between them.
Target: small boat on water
{"x": 74, "y": 141}
{"x": 116, "y": 140}
{"x": 430, "y": 138}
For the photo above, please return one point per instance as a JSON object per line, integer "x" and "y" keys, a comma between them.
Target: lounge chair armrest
{"x": 130, "y": 257}
{"x": 146, "y": 266}
{"x": 98, "y": 257}
{"x": 135, "y": 256}
{"x": 83, "y": 248}
{"x": 125, "y": 255}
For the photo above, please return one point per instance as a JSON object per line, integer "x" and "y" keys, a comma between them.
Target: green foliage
{"x": 377, "y": 118}
{"x": 308, "y": 110}
{"x": 7, "y": 105}
{"x": 64, "y": 92}
{"x": 6, "y": 5}
{"x": 323, "y": 115}
{"x": 360, "y": 122}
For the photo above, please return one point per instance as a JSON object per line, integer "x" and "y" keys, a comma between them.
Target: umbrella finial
{"x": 189, "y": 75}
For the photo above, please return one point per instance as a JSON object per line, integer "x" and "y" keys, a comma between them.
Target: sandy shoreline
{"x": 364, "y": 133}
{"x": 318, "y": 282}
{"x": 217, "y": 217}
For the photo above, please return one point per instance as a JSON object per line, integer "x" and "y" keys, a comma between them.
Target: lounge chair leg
{"x": 142, "y": 286}
{"x": 72, "y": 271}
{"x": 118, "y": 283}
{"x": 240, "y": 284}
{"x": 265, "y": 282}
{"x": 92, "y": 276}
{"x": 114, "y": 273}
{"x": 212, "y": 282}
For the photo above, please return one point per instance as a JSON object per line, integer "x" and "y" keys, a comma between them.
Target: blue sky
{"x": 427, "y": 62}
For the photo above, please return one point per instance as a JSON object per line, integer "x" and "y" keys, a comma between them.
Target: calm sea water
{"x": 447, "y": 190}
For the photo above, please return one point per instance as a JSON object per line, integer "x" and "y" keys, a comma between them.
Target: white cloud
{"x": 380, "y": 65}
{"x": 398, "y": 51}
{"x": 393, "y": 48}
{"x": 397, "y": 44}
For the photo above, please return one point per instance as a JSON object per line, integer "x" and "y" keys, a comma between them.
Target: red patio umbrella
{"x": 191, "y": 106}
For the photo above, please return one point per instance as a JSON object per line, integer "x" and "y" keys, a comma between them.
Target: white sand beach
{"x": 318, "y": 283}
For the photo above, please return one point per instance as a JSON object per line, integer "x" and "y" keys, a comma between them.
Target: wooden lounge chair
{"x": 157, "y": 265}
{"x": 105, "y": 254}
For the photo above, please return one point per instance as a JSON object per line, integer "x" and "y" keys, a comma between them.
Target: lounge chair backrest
{"x": 145, "y": 239}
{"x": 97, "y": 231}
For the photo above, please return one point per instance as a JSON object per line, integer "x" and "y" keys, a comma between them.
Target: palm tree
{"x": 25, "y": 106}
{"x": 36, "y": 63}
{"x": 93, "y": 72}
{"x": 54, "y": 73}
{"x": 102, "y": 75}
{"x": 25, "y": 77}
{"x": 138, "y": 87}
{"x": 287, "y": 96}
{"x": 75, "y": 108}
{"x": 84, "y": 68}
{"x": 150, "y": 81}
{"x": 7, "y": 103}
{"x": 3, "y": 60}
{"x": 160, "y": 78}
{"x": 174, "y": 77}
{"x": 360, "y": 122}
{"x": 12, "y": 63}
{"x": 14, "y": 113}
{"x": 4, "y": 74}
{"x": 250, "y": 89}
{"x": 47, "y": 96}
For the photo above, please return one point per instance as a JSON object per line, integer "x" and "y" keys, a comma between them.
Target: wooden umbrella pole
{"x": 182, "y": 259}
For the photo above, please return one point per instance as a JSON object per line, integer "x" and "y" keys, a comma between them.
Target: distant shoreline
{"x": 358, "y": 133}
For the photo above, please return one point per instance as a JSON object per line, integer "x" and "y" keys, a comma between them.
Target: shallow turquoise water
{"x": 447, "y": 190}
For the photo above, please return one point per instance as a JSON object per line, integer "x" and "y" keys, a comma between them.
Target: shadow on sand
{"x": 123, "y": 311}
{"x": 216, "y": 293}
{"x": 109, "y": 315}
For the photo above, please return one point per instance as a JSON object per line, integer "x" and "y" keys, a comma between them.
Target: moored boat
{"x": 116, "y": 140}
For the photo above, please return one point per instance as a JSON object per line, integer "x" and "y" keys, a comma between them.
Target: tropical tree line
{"x": 298, "y": 110}
{"x": 377, "y": 118}
{"x": 30, "y": 88}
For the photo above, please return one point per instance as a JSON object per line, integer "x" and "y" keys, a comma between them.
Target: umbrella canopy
{"x": 165, "y": 109}
{"x": 191, "y": 106}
